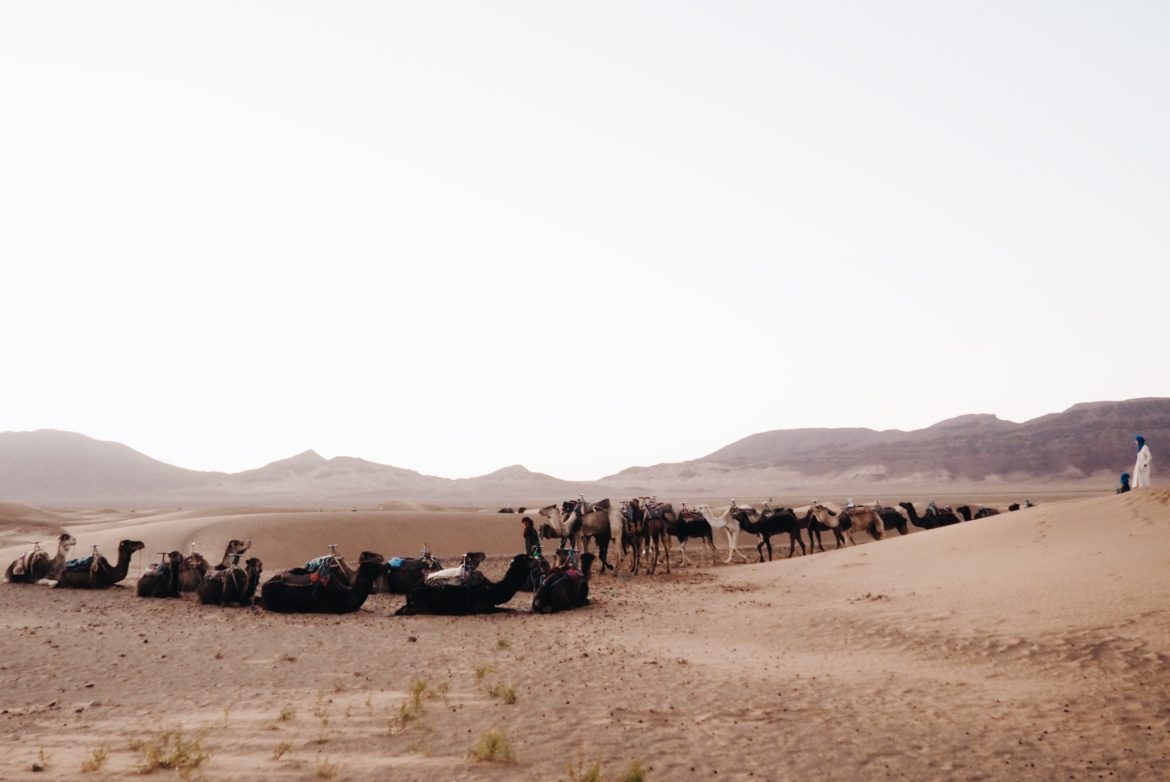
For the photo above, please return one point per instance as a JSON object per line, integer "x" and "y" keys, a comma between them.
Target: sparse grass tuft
{"x": 504, "y": 692}
{"x": 43, "y": 758}
{"x": 280, "y": 750}
{"x": 287, "y": 714}
{"x": 411, "y": 708}
{"x": 494, "y": 747}
{"x": 635, "y": 772}
{"x": 168, "y": 748}
{"x": 95, "y": 761}
{"x": 482, "y": 670}
{"x": 502, "y": 642}
{"x": 325, "y": 769}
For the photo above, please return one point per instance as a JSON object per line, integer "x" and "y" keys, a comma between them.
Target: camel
{"x": 462, "y": 575}
{"x": 195, "y": 568}
{"x": 233, "y": 585}
{"x": 821, "y": 518}
{"x": 652, "y": 525}
{"x": 326, "y": 591}
{"x": 633, "y": 521}
{"x": 480, "y": 597}
{"x": 33, "y": 566}
{"x": 564, "y": 588}
{"x": 405, "y": 573}
{"x": 933, "y": 517}
{"x": 893, "y": 518}
{"x": 865, "y": 519}
{"x": 691, "y": 525}
{"x": 95, "y": 571}
{"x": 773, "y": 522}
{"x": 161, "y": 579}
{"x": 600, "y": 521}
{"x": 970, "y": 513}
{"x": 729, "y": 523}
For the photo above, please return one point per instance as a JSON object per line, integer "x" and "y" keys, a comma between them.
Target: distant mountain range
{"x": 1090, "y": 441}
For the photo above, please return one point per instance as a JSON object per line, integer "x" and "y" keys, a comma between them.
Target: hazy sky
{"x": 578, "y": 236}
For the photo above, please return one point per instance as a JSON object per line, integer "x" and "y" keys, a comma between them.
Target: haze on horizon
{"x": 453, "y": 237}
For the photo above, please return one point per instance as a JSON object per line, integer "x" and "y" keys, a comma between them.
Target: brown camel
{"x": 161, "y": 579}
{"x": 564, "y": 588}
{"x": 33, "y": 566}
{"x": 863, "y": 519}
{"x": 195, "y": 568}
{"x": 233, "y": 585}
{"x": 95, "y": 571}
{"x": 326, "y": 591}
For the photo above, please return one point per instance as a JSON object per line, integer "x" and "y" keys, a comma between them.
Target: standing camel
{"x": 864, "y": 519}
{"x": 820, "y": 519}
{"x": 774, "y": 522}
{"x": 729, "y": 523}
{"x": 691, "y": 525}
{"x": 601, "y": 521}
{"x": 95, "y": 571}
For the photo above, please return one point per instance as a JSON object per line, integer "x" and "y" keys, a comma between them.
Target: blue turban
{"x": 1141, "y": 441}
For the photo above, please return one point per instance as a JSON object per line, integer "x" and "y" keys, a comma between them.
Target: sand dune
{"x": 1033, "y": 645}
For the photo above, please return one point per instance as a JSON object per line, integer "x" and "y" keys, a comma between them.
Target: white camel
{"x": 728, "y": 523}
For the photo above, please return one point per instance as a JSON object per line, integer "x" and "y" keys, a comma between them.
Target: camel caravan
{"x": 641, "y": 531}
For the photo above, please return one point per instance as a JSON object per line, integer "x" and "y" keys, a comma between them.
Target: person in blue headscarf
{"x": 1141, "y": 468}
{"x": 1124, "y": 486}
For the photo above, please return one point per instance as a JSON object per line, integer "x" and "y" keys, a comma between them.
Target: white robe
{"x": 1141, "y": 468}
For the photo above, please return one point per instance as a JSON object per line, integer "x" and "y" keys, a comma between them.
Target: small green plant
{"x": 494, "y": 747}
{"x": 504, "y": 692}
{"x": 280, "y": 750}
{"x": 635, "y": 772}
{"x": 95, "y": 761}
{"x": 325, "y": 769}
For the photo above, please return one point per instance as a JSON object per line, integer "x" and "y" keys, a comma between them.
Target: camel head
{"x": 130, "y": 546}
{"x": 238, "y": 547}
{"x": 65, "y": 542}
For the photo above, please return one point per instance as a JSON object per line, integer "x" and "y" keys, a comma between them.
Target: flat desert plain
{"x": 1030, "y": 645}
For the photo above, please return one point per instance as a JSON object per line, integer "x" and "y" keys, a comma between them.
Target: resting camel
{"x": 480, "y": 597}
{"x": 729, "y": 523}
{"x": 162, "y": 578}
{"x": 564, "y": 588}
{"x": 773, "y": 522}
{"x": 33, "y": 566}
{"x": 95, "y": 571}
{"x": 970, "y": 513}
{"x": 233, "y": 585}
{"x": 301, "y": 590}
{"x": 405, "y": 573}
{"x": 195, "y": 568}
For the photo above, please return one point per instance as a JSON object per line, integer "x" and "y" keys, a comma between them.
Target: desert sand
{"x": 1031, "y": 645}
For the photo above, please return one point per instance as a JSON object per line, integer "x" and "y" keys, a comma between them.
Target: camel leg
{"x": 711, "y": 545}
{"x": 760, "y": 550}
{"x": 667, "y": 552}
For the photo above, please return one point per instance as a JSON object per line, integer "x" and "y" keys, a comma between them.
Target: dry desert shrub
{"x": 635, "y": 772}
{"x": 325, "y": 769}
{"x": 280, "y": 750}
{"x": 494, "y": 747}
{"x": 95, "y": 761}
{"x": 504, "y": 692}
{"x": 169, "y": 749}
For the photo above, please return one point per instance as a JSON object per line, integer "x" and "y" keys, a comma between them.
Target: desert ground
{"x": 1030, "y": 645}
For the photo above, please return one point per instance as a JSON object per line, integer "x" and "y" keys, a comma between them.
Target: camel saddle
{"x": 78, "y": 565}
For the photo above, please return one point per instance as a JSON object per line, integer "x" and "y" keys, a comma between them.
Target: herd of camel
{"x": 329, "y": 584}
{"x": 643, "y": 526}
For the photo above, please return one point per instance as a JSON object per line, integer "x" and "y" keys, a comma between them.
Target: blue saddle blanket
{"x": 396, "y": 562}
{"x": 79, "y": 564}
